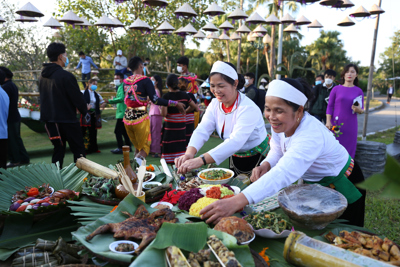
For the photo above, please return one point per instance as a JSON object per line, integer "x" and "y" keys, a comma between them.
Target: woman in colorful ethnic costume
{"x": 236, "y": 120}
{"x": 137, "y": 121}
{"x": 301, "y": 147}
{"x": 174, "y": 130}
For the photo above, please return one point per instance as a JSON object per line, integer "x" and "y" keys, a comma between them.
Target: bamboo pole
{"x": 228, "y": 54}
{"x": 240, "y": 42}
{"x": 280, "y": 46}
{"x": 370, "y": 76}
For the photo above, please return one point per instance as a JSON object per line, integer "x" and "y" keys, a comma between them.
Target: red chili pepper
{"x": 22, "y": 208}
{"x": 20, "y": 201}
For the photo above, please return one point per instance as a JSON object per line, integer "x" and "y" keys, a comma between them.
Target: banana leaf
{"x": 88, "y": 211}
{"x": 99, "y": 244}
{"x": 16, "y": 179}
{"x": 21, "y": 231}
{"x": 188, "y": 237}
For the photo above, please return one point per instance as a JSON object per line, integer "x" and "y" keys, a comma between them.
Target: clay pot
{"x": 121, "y": 192}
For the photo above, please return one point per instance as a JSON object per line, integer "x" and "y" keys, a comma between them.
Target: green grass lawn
{"x": 372, "y": 103}
{"x": 381, "y": 215}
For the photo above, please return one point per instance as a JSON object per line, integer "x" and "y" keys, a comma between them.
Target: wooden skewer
{"x": 125, "y": 179}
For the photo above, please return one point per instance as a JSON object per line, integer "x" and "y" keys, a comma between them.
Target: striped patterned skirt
{"x": 173, "y": 137}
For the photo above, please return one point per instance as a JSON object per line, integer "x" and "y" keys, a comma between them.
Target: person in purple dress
{"x": 345, "y": 102}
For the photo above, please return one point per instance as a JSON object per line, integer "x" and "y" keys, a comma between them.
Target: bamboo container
{"x": 96, "y": 169}
{"x": 302, "y": 250}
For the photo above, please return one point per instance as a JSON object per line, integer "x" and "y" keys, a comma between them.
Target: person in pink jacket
{"x": 156, "y": 119}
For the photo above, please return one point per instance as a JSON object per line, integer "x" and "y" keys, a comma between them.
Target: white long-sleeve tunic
{"x": 244, "y": 129}
{"x": 312, "y": 153}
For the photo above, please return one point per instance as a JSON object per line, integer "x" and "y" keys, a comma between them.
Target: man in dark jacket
{"x": 321, "y": 96}
{"x": 60, "y": 97}
{"x": 16, "y": 150}
{"x": 252, "y": 92}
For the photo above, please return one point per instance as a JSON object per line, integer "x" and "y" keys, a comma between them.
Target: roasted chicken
{"x": 142, "y": 225}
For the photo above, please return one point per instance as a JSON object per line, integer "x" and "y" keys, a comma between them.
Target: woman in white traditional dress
{"x": 301, "y": 147}
{"x": 236, "y": 120}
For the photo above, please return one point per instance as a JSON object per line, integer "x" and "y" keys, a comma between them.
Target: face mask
{"x": 328, "y": 81}
{"x": 208, "y": 97}
{"x": 117, "y": 82}
{"x": 246, "y": 82}
{"x": 318, "y": 82}
{"x": 66, "y": 61}
{"x": 166, "y": 86}
{"x": 154, "y": 83}
{"x": 198, "y": 101}
{"x": 179, "y": 69}
{"x": 93, "y": 87}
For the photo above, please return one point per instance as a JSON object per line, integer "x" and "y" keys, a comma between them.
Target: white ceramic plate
{"x": 248, "y": 242}
{"x": 161, "y": 203}
{"x": 236, "y": 189}
{"x": 150, "y": 183}
{"x": 223, "y": 181}
{"x": 114, "y": 245}
{"x": 153, "y": 175}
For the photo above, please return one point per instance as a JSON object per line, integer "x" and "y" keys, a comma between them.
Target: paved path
{"x": 381, "y": 119}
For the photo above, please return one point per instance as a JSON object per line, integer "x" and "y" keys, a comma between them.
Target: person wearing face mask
{"x": 140, "y": 90}
{"x": 237, "y": 121}
{"x": 319, "y": 80}
{"x": 85, "y": 62}
{"x": 119, "y": 130}
{"x": 120, "y": 62}
{"x": 92, "y": 120}
{"x": 301, "y": 147}
{"x": 321, "y": 96}
{"x": 207, "y": 98}
{"x": 156, "y": 119}
{"x": 60, "y": 97}
{"x": 342, "y": 109}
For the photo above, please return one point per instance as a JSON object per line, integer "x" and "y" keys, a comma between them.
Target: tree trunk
{"x": 267, "y": 58}
{"x": 272, "y": 61}
{"x": 227, "y": 51}
{"x": 247, "y": 64}
{"x": 183, "y": 46}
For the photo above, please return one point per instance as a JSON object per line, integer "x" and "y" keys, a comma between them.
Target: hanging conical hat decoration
{"x": 189, "y": 29}
{"x": 85, "y": 23}
{"x": 307, "y": 1}
{"x": 213, "y": 35}
{"x": 260, "y": 29}
{"x": 238, "y": 14}
{"x": 29, "y": 10}
{"x": 199, "y": 35}
{"x": 226, "y": 25}
{"x": 178, "y": 30}
{"x": 2, "y": 20}
{"x": 214, "y": 10}
{"x": 105, "y": 21}
{"x": 315, "y": 24}
{"x": 234, "y": 36}
{"x": 361, "y": 12}
{"x": 94, "y": 54}
{"x": 243, "y": 29}
{"x": 261, "y": 87}
{"x": 185, "y": 11}
{"x": 52, "y": 23}
{"x": 26, "y": 19}
{"x": 288, "y": 19}
{"x": 302, "y": 21}
{"x": 291, "y": 29}
{"x": 344, "y": 4}
{"x": 330, "y": 2}
{"x": 70, "y": 18}
{"x": 255, "y": 18}
{"x": 266, "y": 39}
{"x": 57, "y": 35}
{"x": 263, "y": 80}
{"x": 155, "y": 3}
{"x": 273, "y": 20}
{"x": 210, "y": 27}
{"x": 375, "y": 10}
{"x": 224, "y": 37}
{"x": 140, "y": 25}
{"x": 117, "y": 23}
{"x": 346, "y": 22}
{"x": 165, "y": 28}
{"x": 251, "y": 37}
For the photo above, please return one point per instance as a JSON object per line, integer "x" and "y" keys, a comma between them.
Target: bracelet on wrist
{"x": 204, "y": 160}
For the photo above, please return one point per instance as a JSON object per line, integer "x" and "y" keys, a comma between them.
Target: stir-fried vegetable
{"x": 215, "y": 175}
{"x": 268, "y": 220}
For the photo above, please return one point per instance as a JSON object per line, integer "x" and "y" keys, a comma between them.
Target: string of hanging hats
{"x": 226, "y": 26}
{"x": 224, "y": 37}
{"x": 185, "y": 11}
{"x": 105, "y": 22}
{"x": 243, "y": 29}
{"x": 330, "y": 3}
{"x": 26, "y": 19}
{"x": 210, "y": 27}
{"x": 213, "y": 35}
{"x": 302, "y": 21}
{"x": 255, "y": 18}
{"x": 199, "y": 35}
{"x": 343, "y": 5}
{"x": 260, "y": 31}
{"x": 238, "y": 14}
{"x": 140, "y": 25}
{"x": 234, "y": 36}
{"x": 291, "y": 29}
{"x": 155, "y": 3}
{"x": 346, "y": 22}
{"x": 315, "y": 24}
{"x": 288, "y": 19}
{"x": 117, "y": 23}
